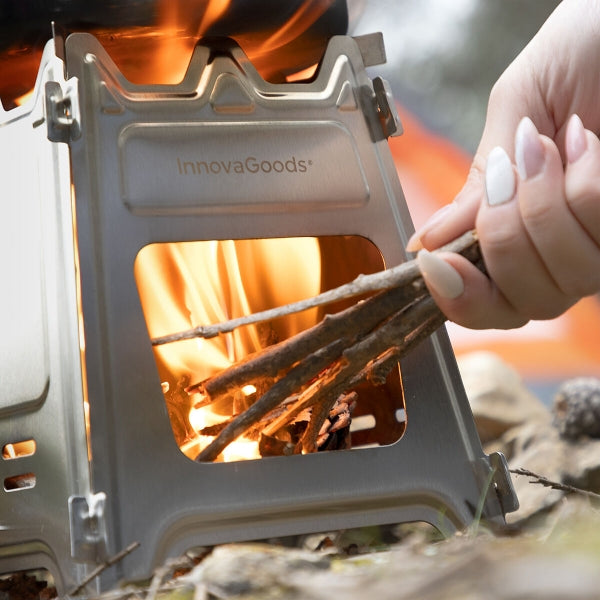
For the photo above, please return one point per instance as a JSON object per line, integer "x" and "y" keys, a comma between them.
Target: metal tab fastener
{"x": 62, "y": 111}
{"x": 503, "y": 483}
{"x": 88, "y": 528}
{"x": 372, "y": 48}
{"x": 386, "y": 108}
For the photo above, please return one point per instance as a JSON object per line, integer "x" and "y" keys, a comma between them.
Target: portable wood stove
{"x": 97, "y": 169}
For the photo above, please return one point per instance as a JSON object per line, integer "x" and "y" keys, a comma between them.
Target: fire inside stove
{"x": 185, "y": 285}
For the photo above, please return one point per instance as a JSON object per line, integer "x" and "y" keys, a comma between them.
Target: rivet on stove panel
{"x": 230, "y": 96}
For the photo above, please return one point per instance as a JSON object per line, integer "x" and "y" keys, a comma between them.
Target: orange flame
{"x": 184, "y": 285}
{"x": 272, "y": 51}
{"x": 160, "y": 53}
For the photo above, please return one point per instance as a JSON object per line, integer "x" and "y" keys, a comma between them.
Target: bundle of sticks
{"x": 316, "y": 369}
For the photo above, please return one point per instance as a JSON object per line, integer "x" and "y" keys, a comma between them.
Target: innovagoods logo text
{"x": 250, "y": 165}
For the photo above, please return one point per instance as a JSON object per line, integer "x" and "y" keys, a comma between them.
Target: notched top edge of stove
{"x": 362, "y": 51}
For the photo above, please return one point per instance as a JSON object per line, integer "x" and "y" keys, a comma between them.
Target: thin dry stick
{"x": 320, "y": 412}
{"x": 302, "y": 402}
{"x": 383, "y": 280}
{"x": 555, "y": 485}
{"x": 101, "y": 568}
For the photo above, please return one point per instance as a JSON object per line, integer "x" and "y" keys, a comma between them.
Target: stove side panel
{"x": 42, "y": 427}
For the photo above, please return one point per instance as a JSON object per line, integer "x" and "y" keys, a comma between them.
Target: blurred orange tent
{"x": 432, "y": 170}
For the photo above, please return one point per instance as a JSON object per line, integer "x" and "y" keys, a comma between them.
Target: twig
{"x": 101, "y": 568}
{"x": 320, "y": 412}
{"x": 397, "y": 276}
{"x": 407, "y": 329}
{"x": 555, "y": 485}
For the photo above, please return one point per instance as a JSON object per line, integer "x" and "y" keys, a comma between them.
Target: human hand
{"x": 539, "y": 231}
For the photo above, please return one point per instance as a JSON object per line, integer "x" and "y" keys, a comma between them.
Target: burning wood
{"x": 312, "y": 372}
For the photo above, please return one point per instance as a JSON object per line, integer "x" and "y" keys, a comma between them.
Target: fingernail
{"x": 529, "y": 150}
{"x": 414, "y": 243}
{"x": 575, "y": 141}
{"x": 499, "y": 177}
{"x": 441, "y": 276}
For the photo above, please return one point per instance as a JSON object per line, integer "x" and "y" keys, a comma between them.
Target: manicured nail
{"x": 441, "y": 276}
{"x": 575, "y": 141}
{"x": 499, "y": 177}
{"x": 414, "y": 243}
{"x": 529, "y": 150}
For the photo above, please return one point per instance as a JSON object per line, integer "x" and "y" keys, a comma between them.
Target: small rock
{"x": 499, "y": 399}
{"x": 238, "y": 569}
{"x": 577, "y": 408}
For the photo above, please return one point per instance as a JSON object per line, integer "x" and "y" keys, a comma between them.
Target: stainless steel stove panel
{"x": 41, "y": 391}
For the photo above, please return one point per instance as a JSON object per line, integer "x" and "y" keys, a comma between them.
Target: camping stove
{"x": 97, "y": 170}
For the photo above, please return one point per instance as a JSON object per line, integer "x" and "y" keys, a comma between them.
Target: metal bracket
{"x": 88, "y": 528}
{"x": 372, "y": 48}
{"x": 503, "y": 483}
{"x": 386, "y": 108}
{"x": 62, "y": 111}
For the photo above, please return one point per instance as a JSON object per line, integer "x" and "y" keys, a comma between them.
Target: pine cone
{"x": 577, "y": 408}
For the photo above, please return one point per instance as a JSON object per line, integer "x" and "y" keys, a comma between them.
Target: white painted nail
{"x": 529, "y": 150}
{"x": 575, "y": 142}
{"x": 442, "y": 277}
{"x": 499, "y": 177}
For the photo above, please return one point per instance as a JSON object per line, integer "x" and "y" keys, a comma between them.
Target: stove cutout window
{"x": 183, "y": 285}
{"x": 23, "y": 481}
{"x": 18, "y": 449}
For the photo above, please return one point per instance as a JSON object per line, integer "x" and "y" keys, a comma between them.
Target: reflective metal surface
{"x": 41, "y": 388}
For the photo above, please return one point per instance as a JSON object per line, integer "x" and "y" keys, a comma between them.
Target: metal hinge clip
{"x": 88, "y": 528}
{"x": 62, "y": 111}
